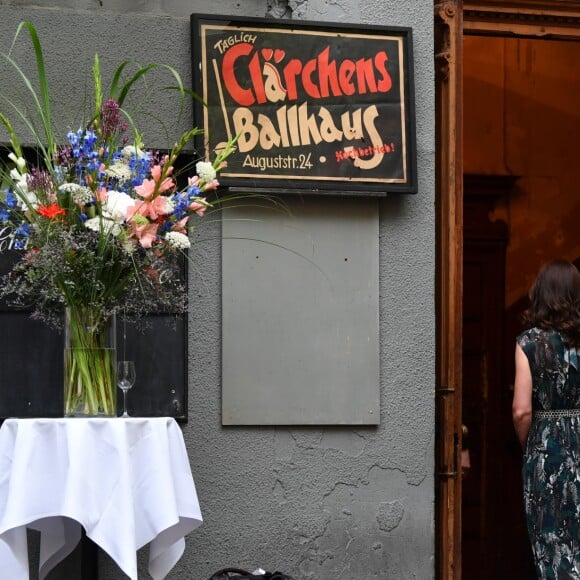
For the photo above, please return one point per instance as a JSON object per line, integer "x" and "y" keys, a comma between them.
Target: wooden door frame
{"x": 448, "y": 283}
{"x": 552, "y": 19}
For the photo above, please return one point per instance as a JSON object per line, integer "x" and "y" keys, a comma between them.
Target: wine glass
{"x": 125, "y": 380}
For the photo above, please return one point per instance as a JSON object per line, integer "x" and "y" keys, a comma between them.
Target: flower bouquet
{"x": 101, "y": 223}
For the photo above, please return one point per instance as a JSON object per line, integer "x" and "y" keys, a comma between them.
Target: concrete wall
{"x": 321, "y": 504}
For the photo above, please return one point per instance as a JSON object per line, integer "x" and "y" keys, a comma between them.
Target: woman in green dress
{"x": 546, "y": 415}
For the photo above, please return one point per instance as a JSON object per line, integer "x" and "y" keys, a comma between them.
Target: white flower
{"x": 132, "y": 151}
{"x": 20, "y": 162}
{"x": 119, "y": 170}
{"x": 178, "y": 240}
{"x": 205, "y": 171}
{"x": 167, "y": 207}
{"x": 81, "y": 194}
{"x": 129, "y": 246}
{"x": 26, "y": 199}
{"x": 116, "y": 205}
{"x": 93, "y": 224}
{"x": 103, "y": 225}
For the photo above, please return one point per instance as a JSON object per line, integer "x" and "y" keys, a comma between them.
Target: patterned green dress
{"x": 551, "y": 466}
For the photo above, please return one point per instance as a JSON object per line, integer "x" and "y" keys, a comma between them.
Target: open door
{"x": 453, "y": 20}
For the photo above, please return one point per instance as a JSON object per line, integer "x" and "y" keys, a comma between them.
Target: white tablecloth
{"x": 127, "y": 482}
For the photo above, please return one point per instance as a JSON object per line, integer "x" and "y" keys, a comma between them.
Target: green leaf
{"x": 12, "y": 134}
{"x": 44, "y": 108}
{"x": 98, "y": 85}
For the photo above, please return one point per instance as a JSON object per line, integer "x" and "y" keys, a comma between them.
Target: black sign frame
{"x": 283, "y": 86}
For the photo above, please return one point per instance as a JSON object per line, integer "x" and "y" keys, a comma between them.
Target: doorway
{"x": 521, "y": 127}
{"x": 519, "y": 210}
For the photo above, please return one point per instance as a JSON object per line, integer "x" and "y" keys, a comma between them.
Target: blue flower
{"x": 4, "y": 215}
{"x": 180, "y": 205}
{"x": 23, "y": 230}
{"x": 93, "y": 164}
{"x": 193, "y": 191}
{"x": 140, "y": 168}
{"x": 59, "y": 175}
{"x": 10, "y": 199}
{"x": 166, "y": 226}
{"x": 19, "y": 244}
{"x": 90, "y": 137}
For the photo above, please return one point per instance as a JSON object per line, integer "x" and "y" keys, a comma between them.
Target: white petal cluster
{"x": 81, "y": 194}
{"x": 103, "y": 225}
{"x": 119, "y": 170}
{"x": 205, "y": 170}
{"x": 26, "y": 199}
{"x": 20, "y": 162}
{"x": 129, "y": 246}
{"x": 132, "y": 151}
{"x": 116, "y": 205}
{"x": 178, "y": 240}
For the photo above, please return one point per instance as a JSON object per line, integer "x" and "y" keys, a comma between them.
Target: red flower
{"x": 51, "y": 211}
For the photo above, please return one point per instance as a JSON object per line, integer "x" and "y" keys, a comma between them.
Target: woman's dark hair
{"x": 555, "y": 300}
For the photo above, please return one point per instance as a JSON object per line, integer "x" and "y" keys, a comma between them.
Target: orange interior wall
{"x": 522, "y": 118}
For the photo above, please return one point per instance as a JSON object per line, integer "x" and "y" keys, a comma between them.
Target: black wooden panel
{"x": 31, "y": 367}
{"x": 160, "y": 355}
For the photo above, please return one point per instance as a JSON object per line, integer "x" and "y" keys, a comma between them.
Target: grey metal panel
{"x": 300, "y": 318}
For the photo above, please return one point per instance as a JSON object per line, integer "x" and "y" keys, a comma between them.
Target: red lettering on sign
{"x": 291, "y": 71}
{"x": 327, "y": 74}
{"x": 307, "y": 82}
{"x": 318, "y": 77}
{"x": 385, "y": 83}
{"x": 257, "y": 79}
{"x": 345, "y": 75}
{"x": 242, "y": 96}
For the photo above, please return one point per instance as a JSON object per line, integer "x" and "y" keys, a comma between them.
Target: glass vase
{"x": 90, "y": 363}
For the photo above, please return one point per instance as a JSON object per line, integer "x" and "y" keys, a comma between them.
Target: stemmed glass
{"x": 125, "y": 380}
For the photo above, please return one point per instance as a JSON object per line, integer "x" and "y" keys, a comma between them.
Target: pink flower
{"x": 159, "y": 206}
{"x": 156, "y": 172}
{"x": 101, "y": 195}
{"x": 146, "y": 234}
{"x": 197, "y": 207}
{"x": 193, "y": 181}
{"x": 153, "y": 209}
{"x": 148, "y": 187}
{"x": 180, "y": 226}
{"x": 210, "y": 185}
{"x": 139, "y": 208}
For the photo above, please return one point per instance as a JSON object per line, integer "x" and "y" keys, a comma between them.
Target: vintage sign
{"x": 320, "y": 108}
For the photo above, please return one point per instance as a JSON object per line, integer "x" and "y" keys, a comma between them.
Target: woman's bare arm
{"x": 522, "y": 402}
